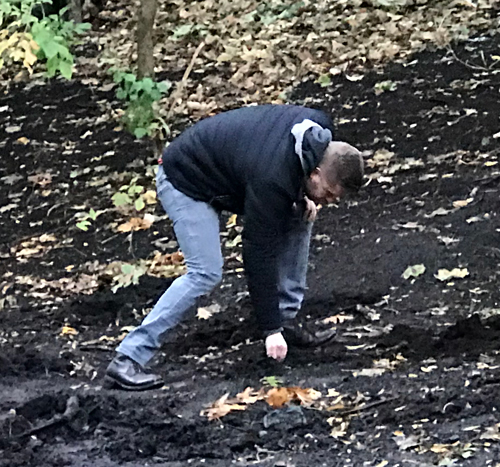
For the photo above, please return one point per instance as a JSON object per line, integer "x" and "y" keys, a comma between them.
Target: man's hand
{"x": 310, "y": 211}
{"x": 276, "y": 346}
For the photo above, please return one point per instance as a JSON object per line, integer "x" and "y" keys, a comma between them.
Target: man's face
{"x": 320, "y": 190}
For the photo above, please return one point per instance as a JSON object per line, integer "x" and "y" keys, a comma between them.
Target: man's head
{"x": 340, "y": 170}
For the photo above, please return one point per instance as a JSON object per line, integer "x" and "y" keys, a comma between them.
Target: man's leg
{"x": 294, "y": 257}
{"x": 196, "y": 226}
{"x": 292, "y": 285}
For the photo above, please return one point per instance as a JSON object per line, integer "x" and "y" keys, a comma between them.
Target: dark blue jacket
{"x": 244, "y": 161}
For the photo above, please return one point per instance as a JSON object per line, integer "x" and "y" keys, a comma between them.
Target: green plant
{"x": 272, "y": 381}
{"x": 130, "y": 195}
{"x": 84, "y": 222}
{"x": 129, "y": 274}
{"x": 26, "y": 37}
{"x": 141, "y": 117}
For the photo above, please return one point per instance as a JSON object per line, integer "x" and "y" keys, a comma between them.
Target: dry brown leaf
{"x": 337, "y": 319}
{"x": 41, "y": 179}
{"x": 278, "y": 397}
{"x": 136, "y": 223}
{"x": 222, "y": 407}
{"x": 250, "y": 395}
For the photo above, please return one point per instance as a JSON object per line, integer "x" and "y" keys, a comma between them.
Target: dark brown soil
{"x": 443, "y": 389}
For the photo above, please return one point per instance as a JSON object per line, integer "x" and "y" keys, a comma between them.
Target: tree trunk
{"x": 75, "y": 9}
{"x": 145, "y": 23}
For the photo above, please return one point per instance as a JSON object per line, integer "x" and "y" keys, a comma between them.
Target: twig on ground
{"x": 371, "y": 405}
{"x": 178, "y": 90}
{"x": 468, "y": 65}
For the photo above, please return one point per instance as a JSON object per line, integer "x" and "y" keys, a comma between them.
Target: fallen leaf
{"x": 136, "y": 223}
{"x": 231, "y": 222}
{"x": 11, "y": 179}
{"x": 250, "y": 396}
{"x": 441, "y": 448}
{"x": 337, "y": 319}
{"x": 41, "y": 179}
{"x": 438, "y": 212}
{"x": 462, "y": 202}
{"x": 207, "y": 312}
{"x": 12, "y": 129}
{"x": 332, "y": 393}
{"x": 44, "y": 238}
{"x": 492, "y": 433}
{"x": 23, "y": 140}
{"x": 232, "y": 243}
{"x": 406, "y": 442}
{"x": 339, "y": 425}
{"x": 414, "y": 271}
{"x": 8, "y": 207}
{"x": 149, "y": 197}
{"x": 68, "y": 331}
{"x": 381, "y": 158}
{"x": 222, "y": 407}
{"x": 444, "y": 274}
{"x": 370, "y": 372}
{"x": 278, "y": 397}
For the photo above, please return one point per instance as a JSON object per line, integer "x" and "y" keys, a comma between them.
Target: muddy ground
{"x": 416, "y": 360}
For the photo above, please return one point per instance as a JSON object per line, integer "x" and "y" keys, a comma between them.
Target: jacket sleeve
{"x": 268, "y": 209}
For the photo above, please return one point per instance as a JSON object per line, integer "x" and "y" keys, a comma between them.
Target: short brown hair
{"x": 343, "y": 163}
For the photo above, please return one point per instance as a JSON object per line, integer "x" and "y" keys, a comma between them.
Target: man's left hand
{"x": 310, "y": 211}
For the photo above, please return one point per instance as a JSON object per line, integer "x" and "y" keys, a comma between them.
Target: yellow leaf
{"x": 68, "y": 331}
{"x": 23, "y": 140}
{"x": 440, "y": 448}
{"x": 231, "y": 222}
{"x": 149, "y": 197}
{"x": 444, "y": 274}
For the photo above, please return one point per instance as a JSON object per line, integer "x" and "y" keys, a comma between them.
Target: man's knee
{"x": 208, "y": 278}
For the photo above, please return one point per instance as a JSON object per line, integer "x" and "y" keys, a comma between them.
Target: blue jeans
{"x": 196, "y": 226}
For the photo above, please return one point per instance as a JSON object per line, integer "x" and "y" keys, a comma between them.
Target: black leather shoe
{"x": 128, "y": 374}
{"x": 298, "y": 335}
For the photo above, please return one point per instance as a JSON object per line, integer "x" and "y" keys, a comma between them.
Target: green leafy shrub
{"x": 141, "y": 116}
{"x": 53, "y": 35}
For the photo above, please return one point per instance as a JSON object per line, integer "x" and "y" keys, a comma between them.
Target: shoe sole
{"x": 110, "y": 383}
